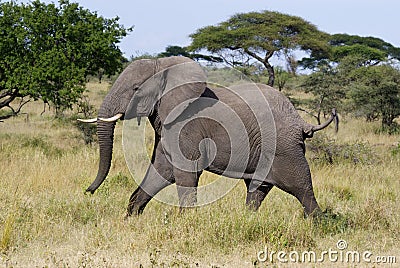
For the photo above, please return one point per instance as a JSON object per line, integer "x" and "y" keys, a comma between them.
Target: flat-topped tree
{"x": 363, "y": 51}
{"x": 258, "y": 36}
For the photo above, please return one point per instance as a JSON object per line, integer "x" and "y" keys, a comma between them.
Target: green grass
{"x": 46, "y": 220}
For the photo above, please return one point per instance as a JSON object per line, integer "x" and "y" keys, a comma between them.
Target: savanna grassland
{"x": 46, "y": 220}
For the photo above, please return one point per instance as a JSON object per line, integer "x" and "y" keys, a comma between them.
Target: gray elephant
{"x": 172, "y": 91}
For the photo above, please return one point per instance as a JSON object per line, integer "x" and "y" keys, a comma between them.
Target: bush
{"x": 87, "y": 110}
{"x": 88, "y": 132}
{"x": 392, "y": 129}
{"x": 327, "y": 151}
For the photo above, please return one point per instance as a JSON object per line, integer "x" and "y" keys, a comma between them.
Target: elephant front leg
{"x": 158, "y": 176}
{"x": 186, "y": 183}
{"x": 255, "y": 197}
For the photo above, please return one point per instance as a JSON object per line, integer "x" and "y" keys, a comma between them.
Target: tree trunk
{"x": 271, "y": 74}
{"x": 387, "y": 122}
{"x": 267, "y": 65}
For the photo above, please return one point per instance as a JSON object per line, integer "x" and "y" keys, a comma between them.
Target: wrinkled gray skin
{"x": 290, "y": 171}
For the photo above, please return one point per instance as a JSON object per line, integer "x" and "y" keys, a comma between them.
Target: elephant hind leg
{"x": 255, "y": 198}
{"x": 292, "y": 175}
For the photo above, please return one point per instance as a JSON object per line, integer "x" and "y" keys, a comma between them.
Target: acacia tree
{"x": 48, "y": 51}
{"x": 369, "y": 51}
{"x": 375, "y": 49}
{"x": 258, "y": 36}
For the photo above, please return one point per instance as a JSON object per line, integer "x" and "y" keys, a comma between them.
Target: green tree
{"x": 367, "y": 56}
{"x": 259, "y": 36}
{"x": 367, "y": 50}
{"x": 48, "y": 51}
{"x": 281, "y": 77}
{"x": 369, "y": 47}
{"x": 356, "y": 72}
{"x": 375, "y": 92}
{"x": 327, "y": 89}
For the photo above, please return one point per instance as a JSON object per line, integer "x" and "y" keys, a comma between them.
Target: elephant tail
{"x": 311, "y": 129}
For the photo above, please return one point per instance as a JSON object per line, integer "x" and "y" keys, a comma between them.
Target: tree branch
{"x": 221, "y": 55}
{"x": 269, "y": 55}
{"x": 4, "y": 94}
{"x": 11, "y": 95}
{"x": 265, "y": 62}
{"x": 254, "y": 55}
{"x": 22, "y": 103}
{"x": 307, "y": 112}
{"x": 14, "y": 112}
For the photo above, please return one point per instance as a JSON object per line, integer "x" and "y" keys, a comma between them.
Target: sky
{"x": 158, "y": 24}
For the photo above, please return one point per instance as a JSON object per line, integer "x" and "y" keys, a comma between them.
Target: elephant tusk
{"x": 92, "y": 120}
{"x": 112, "y": 119}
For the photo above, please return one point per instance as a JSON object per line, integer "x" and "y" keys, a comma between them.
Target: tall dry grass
{"x": 46, "y": 220}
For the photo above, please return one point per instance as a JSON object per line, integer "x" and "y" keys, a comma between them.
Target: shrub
{"x": 327, "y": 151}
{"x": 87, "y": 110}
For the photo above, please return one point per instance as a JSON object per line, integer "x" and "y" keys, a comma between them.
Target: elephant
{"x": 153, "y": 88}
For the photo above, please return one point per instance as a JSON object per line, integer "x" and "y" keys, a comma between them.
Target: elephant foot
{"x": 128, "y": 215}
{"x": 317, "y": 216}
{"x": 187, "y": 197}
{"x": 255, "y": 198}
{"x": 134, "y": 209}
{"x": 137, "y": 202}
{"x": 132, "y": 213}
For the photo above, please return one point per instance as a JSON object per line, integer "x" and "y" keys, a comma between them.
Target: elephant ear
{"x": 174, "y": 87}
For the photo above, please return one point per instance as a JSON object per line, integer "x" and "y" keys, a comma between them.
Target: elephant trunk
{"x": 105, "y": 133}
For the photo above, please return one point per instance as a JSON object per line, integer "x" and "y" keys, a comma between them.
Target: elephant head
{"x": 144, "y": 86}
